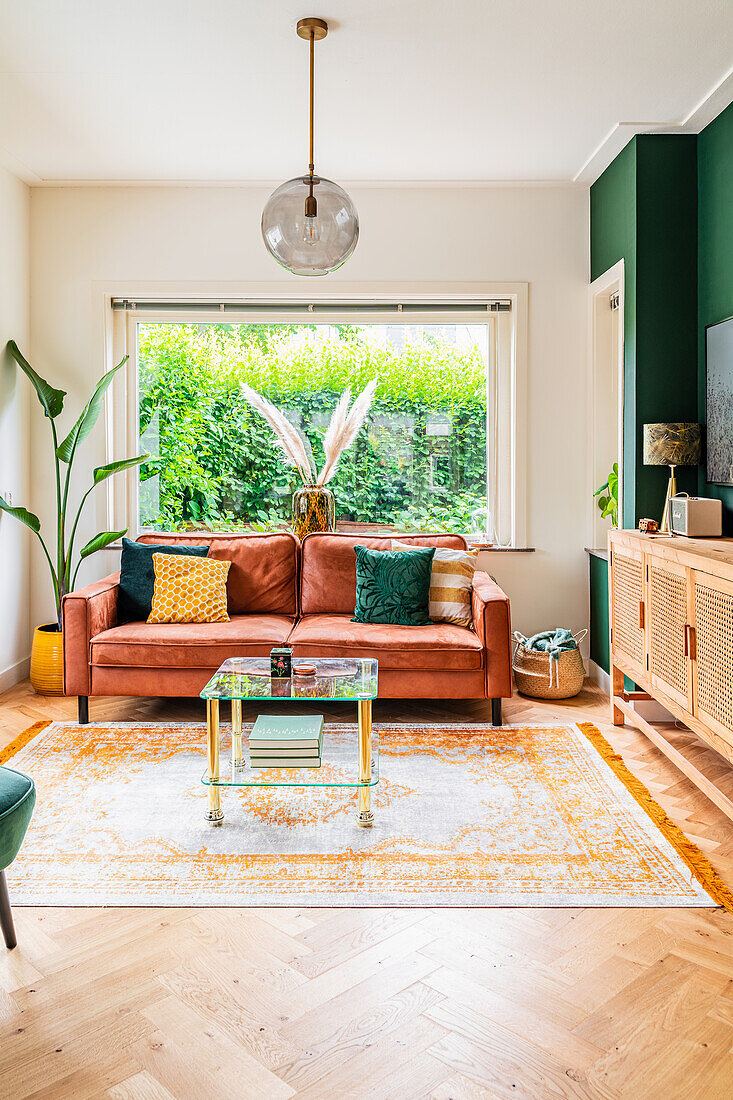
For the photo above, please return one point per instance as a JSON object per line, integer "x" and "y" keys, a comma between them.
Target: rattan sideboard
{"x": 672, "y": 634}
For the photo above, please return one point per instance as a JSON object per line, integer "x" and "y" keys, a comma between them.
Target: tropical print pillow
{"x": 393, "y": 587}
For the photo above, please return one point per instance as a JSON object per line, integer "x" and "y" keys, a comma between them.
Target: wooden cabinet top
{"x": 709, "y": 555}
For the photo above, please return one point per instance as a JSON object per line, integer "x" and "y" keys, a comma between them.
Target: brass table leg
{"x": 214, "y": 814}
{"x": 364, "y": 816}
{"x": 237, "y": 761}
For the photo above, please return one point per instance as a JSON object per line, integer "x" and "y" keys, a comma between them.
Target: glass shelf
{"x": 338, "y": 679}
{"x": 339, "y": 767}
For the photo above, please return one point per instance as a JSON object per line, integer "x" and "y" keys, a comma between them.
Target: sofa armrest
{"x": 492, "y": 623}
{"x": 86, "y": 612}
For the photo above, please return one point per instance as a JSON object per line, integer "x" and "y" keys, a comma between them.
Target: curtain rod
{"x": 495, "y": 305}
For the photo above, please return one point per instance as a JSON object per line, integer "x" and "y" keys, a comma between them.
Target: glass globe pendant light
{"x": 310, "y": 224}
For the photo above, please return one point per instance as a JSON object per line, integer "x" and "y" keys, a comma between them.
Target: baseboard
{"x": 599, "y": 676}
{"x": 12, "y": 675}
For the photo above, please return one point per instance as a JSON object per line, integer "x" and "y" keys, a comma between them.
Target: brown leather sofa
{"x": 280, "y": 590}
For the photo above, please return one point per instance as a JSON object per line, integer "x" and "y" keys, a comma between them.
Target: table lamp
{"x": 671, "y": 445}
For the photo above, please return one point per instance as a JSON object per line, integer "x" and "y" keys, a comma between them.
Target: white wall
{"x": 80, "y": 236}
{"x": 14, "y": 430}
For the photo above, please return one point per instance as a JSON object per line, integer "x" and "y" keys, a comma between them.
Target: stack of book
{"x": 282, "y": 742}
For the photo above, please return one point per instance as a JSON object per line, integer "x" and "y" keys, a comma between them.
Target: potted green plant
{"x": 47, "y": 651}
{"x": 608, "y": 496}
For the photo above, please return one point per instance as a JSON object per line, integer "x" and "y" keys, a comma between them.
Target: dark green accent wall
{"x": 715, "y": 258}
{"x": 599, "y": 624}
{"x": 613, "y": 238}
{"x": 644, "y": 210}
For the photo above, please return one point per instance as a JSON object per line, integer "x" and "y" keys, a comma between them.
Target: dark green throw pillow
{"x": 137, "y": 576}
{"x": 393, "y": 586}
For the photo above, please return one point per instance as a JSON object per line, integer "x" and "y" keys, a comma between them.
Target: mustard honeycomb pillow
{"x": 189, "y": 589}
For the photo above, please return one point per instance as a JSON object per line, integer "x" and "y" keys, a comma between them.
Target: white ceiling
{"x": 470, "y": 90}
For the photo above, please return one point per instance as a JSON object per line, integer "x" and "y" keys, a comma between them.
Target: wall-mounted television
{"x": 719, "y": 401}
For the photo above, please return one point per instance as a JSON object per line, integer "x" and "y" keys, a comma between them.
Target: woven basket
{"x": 537, "y": 676}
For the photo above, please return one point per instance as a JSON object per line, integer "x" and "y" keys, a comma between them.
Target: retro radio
{"x": 697, "y": 517}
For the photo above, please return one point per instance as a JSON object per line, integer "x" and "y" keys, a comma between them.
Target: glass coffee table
{"x": 336, "y": 681}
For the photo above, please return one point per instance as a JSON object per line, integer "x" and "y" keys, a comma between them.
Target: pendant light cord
{"x": 311, "y": 165}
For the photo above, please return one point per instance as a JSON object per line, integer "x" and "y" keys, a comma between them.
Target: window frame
{"x": 506, "y": 407}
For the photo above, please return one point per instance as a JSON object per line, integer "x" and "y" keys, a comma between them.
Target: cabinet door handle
{"x": 690, "y": 642}
{"x": 641, "y": 614}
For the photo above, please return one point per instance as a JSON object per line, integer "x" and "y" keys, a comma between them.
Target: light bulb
{"x": 311, "y": 231}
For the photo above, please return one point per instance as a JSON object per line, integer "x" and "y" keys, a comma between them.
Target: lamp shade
{"x": 675, "y": 444}
{"x": 310, "y": 245}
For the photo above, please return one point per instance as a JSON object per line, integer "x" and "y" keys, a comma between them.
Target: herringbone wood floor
{"x": 149, "y": 1004}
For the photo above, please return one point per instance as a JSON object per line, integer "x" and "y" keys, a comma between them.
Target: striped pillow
{"x": 451, "y": 582}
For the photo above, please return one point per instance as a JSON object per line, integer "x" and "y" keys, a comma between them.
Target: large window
{"x": 436, "y": 452}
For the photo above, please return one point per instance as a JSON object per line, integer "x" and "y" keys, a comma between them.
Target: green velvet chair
{"x": 17, "y": 799}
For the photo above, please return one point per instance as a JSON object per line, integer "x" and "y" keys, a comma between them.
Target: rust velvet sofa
{"x": 281, "y": 591}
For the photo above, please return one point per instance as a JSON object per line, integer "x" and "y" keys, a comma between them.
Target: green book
{"x": 284, "y": 750}
{"x": 282, "y": 733}
{"x": 285, "y": 762}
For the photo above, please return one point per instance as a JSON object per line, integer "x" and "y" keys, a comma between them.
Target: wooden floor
{"x": 463, "y": 1003}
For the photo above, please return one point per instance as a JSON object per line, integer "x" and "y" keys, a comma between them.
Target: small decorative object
{"x": 674, "y": 444}
{"x": 608, "y": 496}
{"x": 309, "y": 224}
{"x": 304, "y": 671}
{"x": 314, "y": 507}
{"x": 281, "y": 658}
{"x": 648, "y": 526}
{"x": 47, "y": 651}
{"x": 549, "y": 665}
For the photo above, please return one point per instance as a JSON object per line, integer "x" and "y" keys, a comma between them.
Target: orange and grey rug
{"x": 464, "y": 815}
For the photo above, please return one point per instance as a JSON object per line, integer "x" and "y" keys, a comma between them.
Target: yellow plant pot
{"x": 47, "y": 660}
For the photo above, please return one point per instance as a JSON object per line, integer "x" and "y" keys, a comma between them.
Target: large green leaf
{"x": 23, "y": 515}
{"x": 89, "y": 416}
{"x": 104, "y": 538}
{"x": 51, "y": 399}
{"x": 103, "y": 472}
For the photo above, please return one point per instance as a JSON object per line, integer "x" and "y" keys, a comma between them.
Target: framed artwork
{"x": 719, "y": 401}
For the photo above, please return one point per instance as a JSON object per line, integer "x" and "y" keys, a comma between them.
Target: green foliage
{"x": 419, "y": 462}
{"x": 52, "y": 402}
{"x": 607, "y": 496}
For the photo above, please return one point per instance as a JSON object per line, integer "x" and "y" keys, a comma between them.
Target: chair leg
{"x": 83, "y": 709}
{"x": 496, "y": 712}
{"x": 6, "y": 916}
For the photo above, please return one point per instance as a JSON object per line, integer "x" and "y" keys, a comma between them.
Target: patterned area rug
{"x": 464, "y": 815}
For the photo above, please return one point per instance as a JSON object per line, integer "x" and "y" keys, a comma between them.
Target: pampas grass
{"x": 344, "y": 427}
{"x": 293, "y": 443}
{"x": 342, "y": 430}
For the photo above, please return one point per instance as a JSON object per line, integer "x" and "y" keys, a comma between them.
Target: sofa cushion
{"x": 137, "y": 576}
{"x": 328, "y": 567}
{"x": 393, "y": 587}
{"x": 189, "y": 645}
{"x": 264, "y": 573}
{"x": 438, "y": 646}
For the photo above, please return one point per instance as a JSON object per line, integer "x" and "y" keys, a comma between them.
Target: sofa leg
{"x": 83, "y": 709}
{"x": 6, "y": 916}
{"x": 496, "y": 712}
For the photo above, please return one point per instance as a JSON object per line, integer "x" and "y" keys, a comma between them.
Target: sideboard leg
{"x": 617, "y": 688}
{"x": 83, "y": 701}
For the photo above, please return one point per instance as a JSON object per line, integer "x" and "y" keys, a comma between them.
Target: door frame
{"x": 600, "y": 359}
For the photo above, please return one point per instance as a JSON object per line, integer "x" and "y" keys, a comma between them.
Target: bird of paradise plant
{"x": 52, "y": 402}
